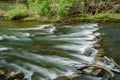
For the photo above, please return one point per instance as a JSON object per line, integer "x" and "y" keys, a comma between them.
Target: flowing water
{"x": 46, "y": 51}
{"x": 111, "y": 41}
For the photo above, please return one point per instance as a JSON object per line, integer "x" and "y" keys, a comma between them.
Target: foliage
{"x": 18, "y": 13}
{"x": 58, "y": 9}
{"x": 63, "y": 7}
{"x": 61, "y": 10}
{"x": 40, "y": 7}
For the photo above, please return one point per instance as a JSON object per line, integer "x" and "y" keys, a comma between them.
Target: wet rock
{"x": 2, "y": 74}
{"x": 2, "y": 77}
{"x": 89, "y": 52}
{"x": 5, "y": 75}
{"x": 2, "y": 71}
{"x": 15, "y": 75}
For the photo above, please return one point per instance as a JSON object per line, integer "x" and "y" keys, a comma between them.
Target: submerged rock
{"x": 2, "y": 71}
{"x": 2, "y": 77}
{"x": 15, "y": 75}
{"x": 2, "y": 74}
{"x": 62, "y": 78}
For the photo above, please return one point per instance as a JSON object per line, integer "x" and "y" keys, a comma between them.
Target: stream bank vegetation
{"x": 63, "y": 10}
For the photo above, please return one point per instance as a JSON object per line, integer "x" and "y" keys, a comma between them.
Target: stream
{"x": 46, "y": 51}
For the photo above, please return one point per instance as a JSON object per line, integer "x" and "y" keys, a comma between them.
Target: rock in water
{"x": 15, "y": 75}
{"x": 2, "y": 77}
{"x": 2, "y": 73}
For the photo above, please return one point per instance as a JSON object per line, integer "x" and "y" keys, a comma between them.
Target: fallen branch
{"x": 99, "y": 67}
{"x": 112, "y": 61}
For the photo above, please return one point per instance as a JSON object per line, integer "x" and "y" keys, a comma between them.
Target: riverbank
{"x": 101, "y": 17}
{"x": 63, "y": 12}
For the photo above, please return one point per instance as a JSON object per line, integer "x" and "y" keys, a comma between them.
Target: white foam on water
{"x": 9, "y": 37}
{"x": 21, "y": 34}
{"x": 79, "y": 48}
{"x": 89, "y": 26}
{"x": 1, "y": 38}
{"x": 49, "y": 27}
{"x": 89, "y": 60}
{"x": 97, "y": 34}
{"x": 28, "y": 73}
{"x": 4, "y": 49}
{"x": 82, "y": 42}
{"x": 18, "y": 37}
{"x": 43, "y": 72}
{"x": 63, "y": 61}
{"x": 90, "y": 38}
{"x": 35, "y": 28}
{"x": 81, "y": 33}
{"x": 51, "y": 30}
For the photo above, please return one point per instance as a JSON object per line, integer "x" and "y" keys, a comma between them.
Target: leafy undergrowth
{"x": 18, "y": 13}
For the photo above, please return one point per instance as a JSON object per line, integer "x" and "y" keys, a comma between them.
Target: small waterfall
{"x": 47, "y": 51}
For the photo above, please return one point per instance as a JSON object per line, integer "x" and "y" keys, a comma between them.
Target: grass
{"x": 29, "y": 19}
{"x": 105, "y": 16}
{"x": 116, "y": 16}
{"x": 101, "y": 16}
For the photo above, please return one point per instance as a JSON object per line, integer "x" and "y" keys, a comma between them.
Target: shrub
{"x": 18, "y": 13}
{"x": 48, "y": 7}
{"x": 41, "y": 8}
{"x": 63, "y": 7}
